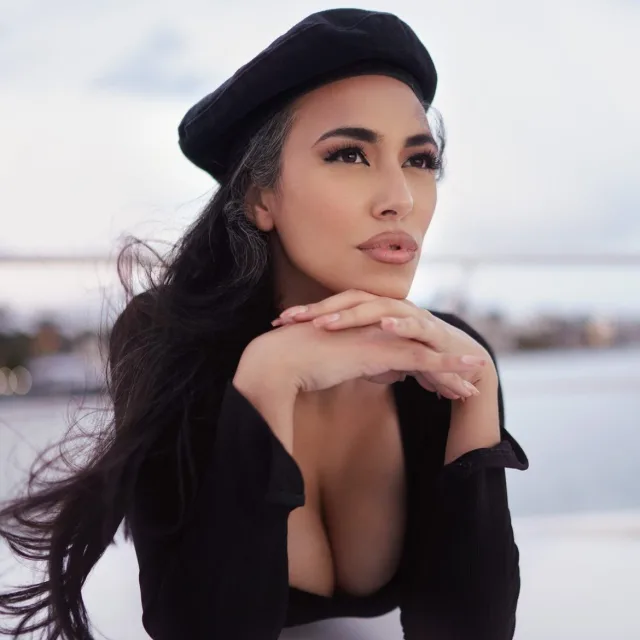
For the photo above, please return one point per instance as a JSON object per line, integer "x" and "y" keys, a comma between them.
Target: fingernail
{"x": 294, "y": 311}
{"x": 475, "y": 360}
{"x": 389, "y": 322}
{"x": 471, "y": 388}
{"x": 322, "y": 320}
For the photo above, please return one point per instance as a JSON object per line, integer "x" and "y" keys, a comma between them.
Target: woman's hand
{"x": 303, "y": 357}
{"x": 277, "y": 365}
{"x": 402, "y": 318}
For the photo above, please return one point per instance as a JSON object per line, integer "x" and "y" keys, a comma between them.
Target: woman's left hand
{"x": 355, "y": 308}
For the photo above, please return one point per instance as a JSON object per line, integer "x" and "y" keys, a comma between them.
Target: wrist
{"x": 273, "y": 396}
{"x": 475, "y": 423}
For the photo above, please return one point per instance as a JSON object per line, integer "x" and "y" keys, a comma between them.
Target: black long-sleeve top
{"x": 223, "y": 575}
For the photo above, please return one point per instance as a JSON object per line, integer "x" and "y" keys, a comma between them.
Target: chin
{"x": 394, "y": 284}
{"x": 397, "y": 292}
{"x": 397, "y": 288}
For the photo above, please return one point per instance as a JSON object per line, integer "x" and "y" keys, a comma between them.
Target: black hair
{"x": 170, "y": 352}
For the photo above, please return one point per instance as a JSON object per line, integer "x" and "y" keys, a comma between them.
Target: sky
{"x": 539, "y": 100}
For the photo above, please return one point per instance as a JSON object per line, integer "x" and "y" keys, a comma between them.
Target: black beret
{"x": 323, "y": 47}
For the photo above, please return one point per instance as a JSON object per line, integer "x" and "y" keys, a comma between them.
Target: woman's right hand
{"x": 277, "y": 365}
{"x": 302, "y": 357}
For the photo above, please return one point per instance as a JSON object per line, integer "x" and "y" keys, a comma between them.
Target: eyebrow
{"x": 362, "y": 134}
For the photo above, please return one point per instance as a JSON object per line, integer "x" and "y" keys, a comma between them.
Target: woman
{"x": 293, "y": 440}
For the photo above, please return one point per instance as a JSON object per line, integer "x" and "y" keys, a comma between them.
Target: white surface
{"x": 383, "y": 628}
{"x": 579, "y": 582}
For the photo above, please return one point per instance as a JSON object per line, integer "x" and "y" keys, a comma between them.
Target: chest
{"x": 349, "y": 535}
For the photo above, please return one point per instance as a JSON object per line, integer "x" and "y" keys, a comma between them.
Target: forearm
{"x": 273, "y": 399}
{"x": 232, "y": 546}
{"x": 471, "y": 573}
{"x": 475, "y": 423}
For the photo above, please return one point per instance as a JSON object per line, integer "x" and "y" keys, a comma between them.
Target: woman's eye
{"x": 348, "y": 156}
{"x": 427, "y": 161}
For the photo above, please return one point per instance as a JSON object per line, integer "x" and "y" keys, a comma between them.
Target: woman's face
{"x": 338, "y": 189}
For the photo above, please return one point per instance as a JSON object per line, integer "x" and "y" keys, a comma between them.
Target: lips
{"x": 390, "y": 241}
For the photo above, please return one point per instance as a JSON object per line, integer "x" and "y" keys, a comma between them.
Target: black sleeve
{"x": 466, "y": 577}
{"x": 225, "y": 576}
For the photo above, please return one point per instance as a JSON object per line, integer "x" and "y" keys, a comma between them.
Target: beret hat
{"x": 323, "y": 47}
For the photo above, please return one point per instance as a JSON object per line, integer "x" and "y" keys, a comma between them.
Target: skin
{"x": 322, "y": 211}
{"x": 347, "y": 440}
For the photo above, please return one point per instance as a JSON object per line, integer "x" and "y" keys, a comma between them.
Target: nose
{"x": 393, "y": 197}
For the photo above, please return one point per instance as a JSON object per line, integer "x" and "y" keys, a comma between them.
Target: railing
{"x": 468, "y": 264}
{"x": 465, "y": 260}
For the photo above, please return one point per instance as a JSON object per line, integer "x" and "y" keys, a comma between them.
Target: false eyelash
{"x": 433, "y": 160}
{"x": 333, "y": 153}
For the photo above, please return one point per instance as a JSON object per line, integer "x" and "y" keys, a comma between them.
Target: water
{"x": 576, "y": 510}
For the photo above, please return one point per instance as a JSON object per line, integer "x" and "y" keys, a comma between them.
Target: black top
{"x": 224, "y": 574}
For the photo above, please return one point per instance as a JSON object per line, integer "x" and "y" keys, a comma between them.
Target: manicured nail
{"x": 471, "y": 388}
{"x": 323, "y": 320}
{"x": 475, "y": 360}
{"x": 294, "y": 311}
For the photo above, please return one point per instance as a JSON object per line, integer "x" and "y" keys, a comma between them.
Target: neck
{"x": 291, "y": 286}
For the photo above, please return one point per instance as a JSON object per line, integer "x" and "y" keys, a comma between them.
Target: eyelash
{"x": 433, "y": 162}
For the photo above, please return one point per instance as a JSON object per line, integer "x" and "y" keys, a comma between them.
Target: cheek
{"x": 425, "y": 200}
{"x": 316, "y": 233}
{"x": 317, "y": 217}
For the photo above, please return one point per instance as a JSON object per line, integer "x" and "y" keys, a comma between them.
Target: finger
{"x": 368, "y": 313}
{"x": 451, "y": 385}
{"x": 418, "y": 327}
{"x": 456, "y": 384}
{"x": 415, "y": 356}
{"x": 387, "y": 378}
{"x": 340, "y": 301}
{"x": 425, "y": 384}
{"x": 444, "y": 392}
{"x": 422, "y": 330}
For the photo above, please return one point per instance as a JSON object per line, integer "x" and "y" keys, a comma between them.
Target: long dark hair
{"x": 170, "y": 351}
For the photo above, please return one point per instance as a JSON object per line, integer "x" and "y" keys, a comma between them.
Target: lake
{"x": 576, "y": 510}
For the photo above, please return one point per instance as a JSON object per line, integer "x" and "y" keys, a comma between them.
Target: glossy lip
{"x": 399, "y": 240}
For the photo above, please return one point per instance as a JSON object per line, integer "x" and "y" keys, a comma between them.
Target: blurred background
{"x": 536, "y": 242}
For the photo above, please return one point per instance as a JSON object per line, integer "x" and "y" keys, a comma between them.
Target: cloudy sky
{"x": 539, "y": 99}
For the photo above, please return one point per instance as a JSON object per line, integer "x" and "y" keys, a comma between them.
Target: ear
{"x": 260, "y": 204}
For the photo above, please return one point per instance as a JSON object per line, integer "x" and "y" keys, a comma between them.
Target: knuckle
{"x": 411, "y": 323}
{"x": 448, "y": 378}
{"x": 450, "y": 362}
{"x": 419, "y": 356}
{"x": 371, "y": 332}
{"x": 389, "y": 305}
{"x": 422, "y": 322}
{"x": 428, "y": 320}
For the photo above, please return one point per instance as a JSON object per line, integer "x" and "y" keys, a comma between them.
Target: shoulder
{"x": 463, "y": 325}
